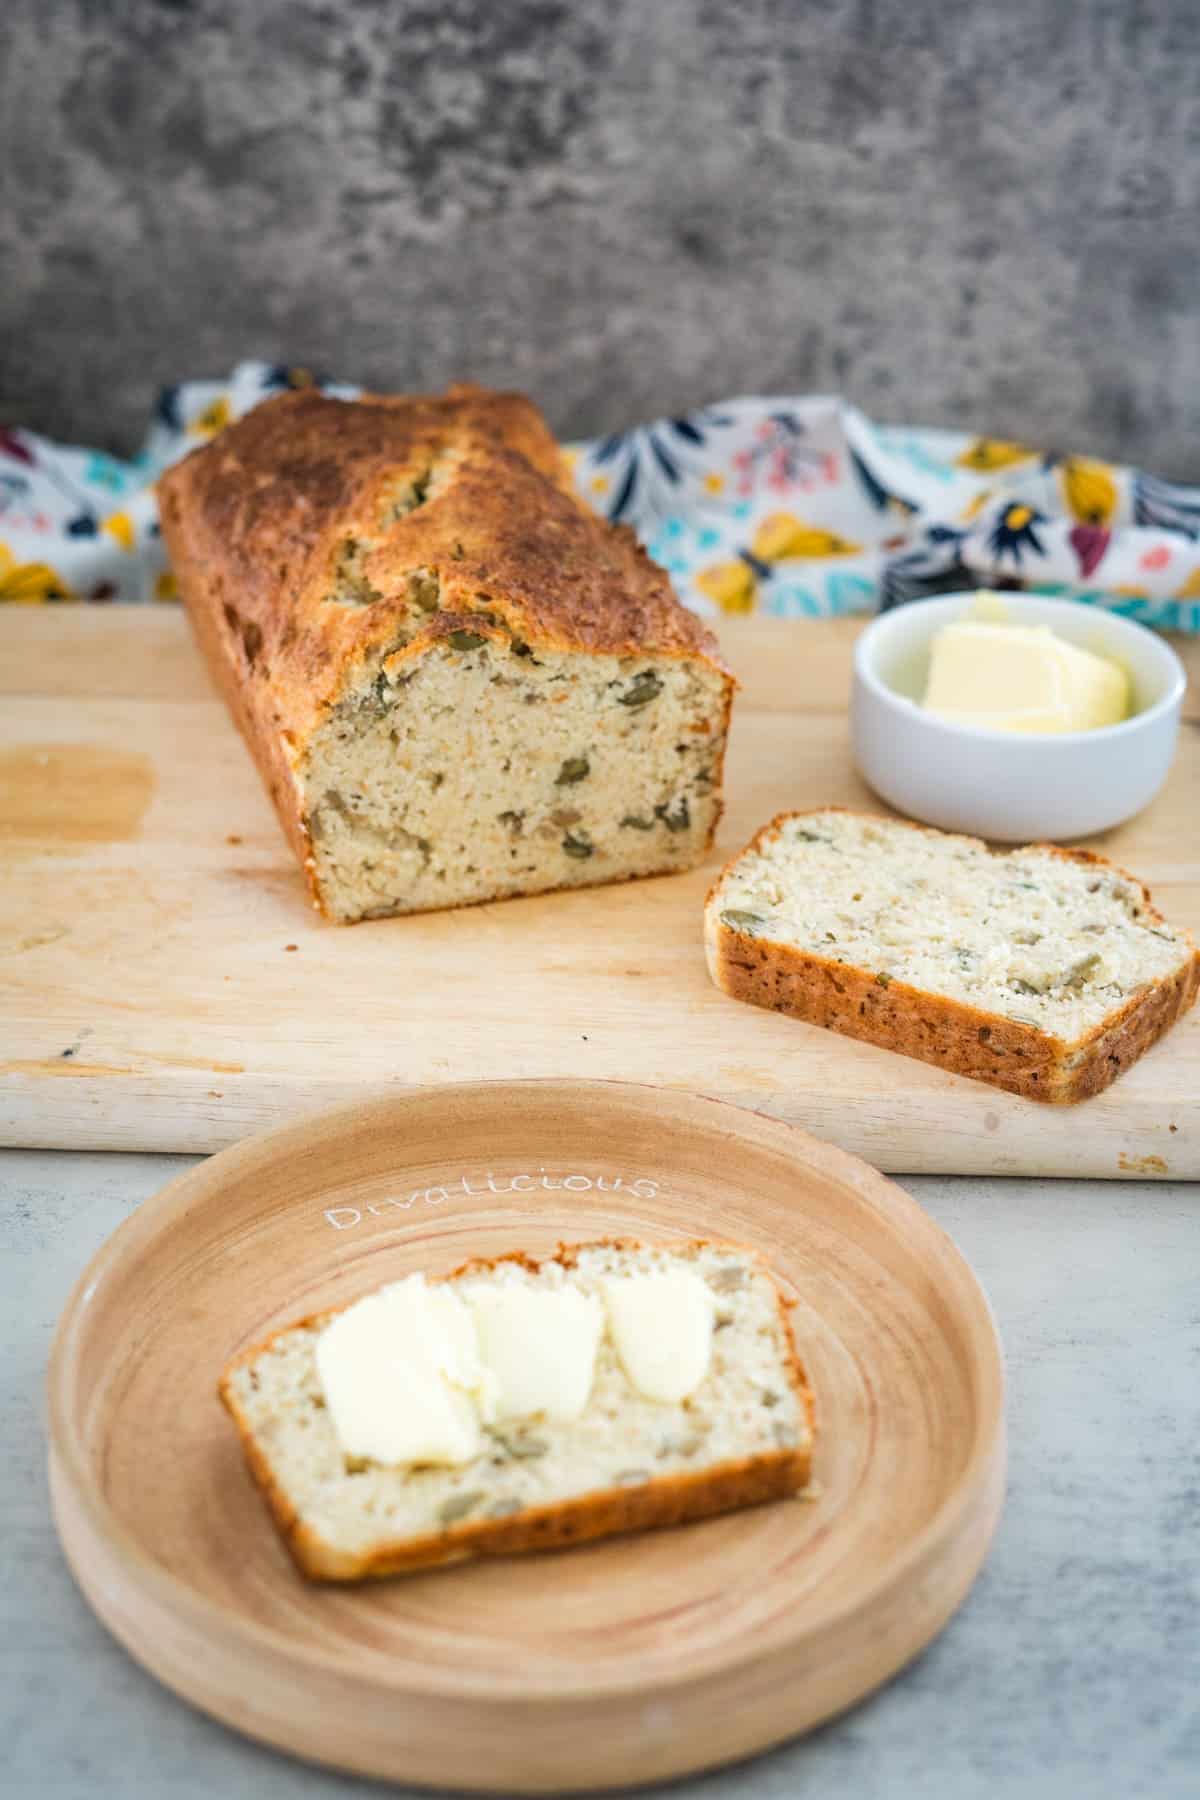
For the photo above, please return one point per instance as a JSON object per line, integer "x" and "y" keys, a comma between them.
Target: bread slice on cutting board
{"x": 627, "y": 1462}
{"x": 1041, "y": 970}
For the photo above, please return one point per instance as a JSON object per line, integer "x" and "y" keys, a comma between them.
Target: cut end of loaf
{"x": 627, "y": 1464}
{"x": 1044, "y": 971}
{"x": 473, "y": 768}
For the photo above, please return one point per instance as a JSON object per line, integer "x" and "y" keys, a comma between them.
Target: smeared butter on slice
{"x": 1021, "y": 678}
{"x": 539, "y": 1347}
{"x": 402, "y": 1376}
{"x": 661, "y": 1327}
{"x": 411, "y": 1374}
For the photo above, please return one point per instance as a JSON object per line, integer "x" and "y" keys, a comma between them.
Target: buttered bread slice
{"x": 521, "y": 1404}
{"x": 458, "y": 682}
{"x": 1041, "y": 970}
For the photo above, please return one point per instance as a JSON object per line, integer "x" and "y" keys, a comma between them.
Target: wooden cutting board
{"x": 164, "y": 984}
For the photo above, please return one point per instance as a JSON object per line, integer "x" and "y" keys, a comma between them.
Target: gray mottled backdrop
{"x": 952, "y": 211}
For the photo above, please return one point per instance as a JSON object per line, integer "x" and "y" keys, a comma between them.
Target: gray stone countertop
{"x": 1072, "y": 1669}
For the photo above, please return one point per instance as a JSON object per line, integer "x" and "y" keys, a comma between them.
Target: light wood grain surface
{"x": 164, "y": 984}
{"x": 625, "y": 1661}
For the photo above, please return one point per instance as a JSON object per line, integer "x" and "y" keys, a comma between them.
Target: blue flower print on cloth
{"x": 795, "y": 507}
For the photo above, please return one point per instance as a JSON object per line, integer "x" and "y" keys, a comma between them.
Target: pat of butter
{"x": 402, "y": 1377}
{"x": 539, "y": 1346}
{"x": 661, "y": 1327}
{"x": 1021, "y": 678}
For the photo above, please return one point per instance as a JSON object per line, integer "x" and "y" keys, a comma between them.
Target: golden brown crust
{"x": 258, "y": 523}
{"x": 669, "y": 1500}
{"x": 964, "y": 1039}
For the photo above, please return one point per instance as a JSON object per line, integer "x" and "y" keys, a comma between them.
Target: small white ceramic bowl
{"x": 1010, "y": 786}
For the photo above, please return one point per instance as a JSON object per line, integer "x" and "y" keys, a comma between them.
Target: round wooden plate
{"x": 622, "y": 1662}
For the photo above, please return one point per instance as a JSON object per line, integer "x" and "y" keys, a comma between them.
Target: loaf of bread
{"x": 458, "y": 682}
{"x": 626, "y": 1463}
{"x": 1041, "y": 970}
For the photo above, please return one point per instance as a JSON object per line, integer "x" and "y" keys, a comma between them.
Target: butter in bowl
{"x": 1014, "y": 717}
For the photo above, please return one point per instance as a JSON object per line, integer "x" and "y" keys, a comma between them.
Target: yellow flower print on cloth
{"x": 731, "y": 585}
{"x": 214, "y": 418}
{"x": 29, "y": 583}
{"x": 119, "y": 525}
{"x": 1089, "y": 490}
{"x": 782, "y": 535}
{"x": 983, "y": 456}
{"x": 779, "y": 537}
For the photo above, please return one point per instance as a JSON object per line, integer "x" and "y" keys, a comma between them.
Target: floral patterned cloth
{"x": 793, "y": 507}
